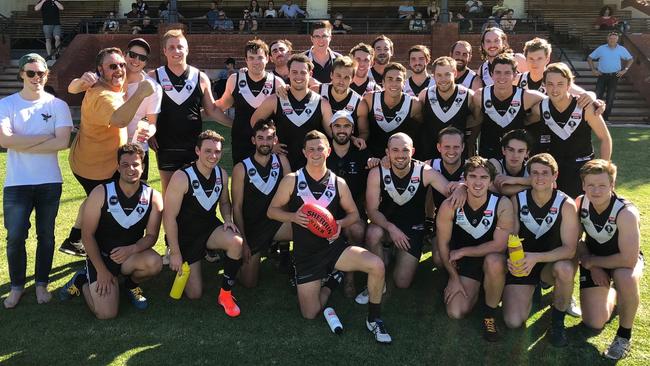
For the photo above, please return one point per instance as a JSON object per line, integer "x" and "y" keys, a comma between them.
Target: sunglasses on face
{"x": 140, "y": 57}
{"x": 31, "y": 73}
{"x": 116, "y": 66}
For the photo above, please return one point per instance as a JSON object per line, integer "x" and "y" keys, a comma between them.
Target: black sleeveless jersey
{"x": 293, "y": 133}
{"x": 526, "y": 82}
{"x": 504, "y": 170}
{"x": 260, "y": 185}
{"x": 378, "y": 77}
{"x": 457, "y": 176}
{"x": 352, "y": 168}
{"x": 199, "y": 206}
{"x": 601, "y": 230}
{"x": 414, "y": 90}
{"x": 499, "y": 117}
{"x": 402, "y": 200}
{"x": 179, "y": 121}
{"x": 466, "y": 79}
{"x": 284, "y": 78}
{"x": 123, "y": 219}
{"x": 540, "y": 226}
{"x": 248, "y": 96}
{"x": 565, "y": 135}
{"x": 475, "y": 227}
{"x": 325, "y": 193}
{"x": 366, "y": 87}
{"x": 322, "y": 73}
{"x": 384, "y": 122}
{"x": 350, "y": 103}
{"x": 438, "y": 114}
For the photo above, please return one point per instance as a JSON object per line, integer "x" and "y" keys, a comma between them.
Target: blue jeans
{"x": 18, "y": 203}
{"x": 606, "y": 89}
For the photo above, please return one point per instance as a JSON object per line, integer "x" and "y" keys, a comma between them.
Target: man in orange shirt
{"x": 104, "y": 116}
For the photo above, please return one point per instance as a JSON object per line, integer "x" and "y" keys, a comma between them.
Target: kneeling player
{"x": 115, "y": 217}
{"x": 610, "y": 253}
{"x": 316, "y": 257}
{"x": 471, "y": 242}
{"x": 512, "y": 176}
{"x": 546, "y": 219}
{"x": 191, "y": 224}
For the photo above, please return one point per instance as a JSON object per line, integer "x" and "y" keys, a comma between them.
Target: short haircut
{"x": 300, "y": 58}
{"x": 254, "y": 45}
{"x": 314, "y": 135}
{"x": 321, "y": 24}
{"x": 394, "y": 66}
{"x": 364, "y": 47}
{"x": 519, "y": 135}
{"x": 559, "y": 68}
{"x": 172, "y": 33}
{"x": 451, "y": 130}
{"x": 383, "y": 38}
{"x": 263, "y": 125}
{"x": 99, "y": 59}
{"x": 421, "y": 48}
{"x": 613, "y": 34}
{"x": 545, "y": 159}
{"x": 504, "y": 59}
{"x": 464, "y": 43}
{"x": 537, "y": 44}
{"x": 344, "y": 61}
{"x": 286, "y": 43}
{"x": 476, "y": 162}
{"x": 209, "y": 135}
{"x": 400, "y": 135}
{"x": 130, "y": 148}
{"x": 500, "y": 33}
{"x": 230, "y": 61}
{"x": 444, "y": 61}
{"x": 599, "y": 166}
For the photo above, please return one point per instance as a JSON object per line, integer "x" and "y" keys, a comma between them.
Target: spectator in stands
{"x": 111, "y": 24}
{"x": 229, "y": 70}
{"x": 406, "y": 11}
{"x": 213, "y": 14}
{"x": 464, "y": 24}
{"x": 147, "y": 26}
{"x": 338, "y": 27}
{"x": 474, "y": 8}
{"x": 143, "y": 8}
{"x": 50, "y": 10}
{"x": 163, "y": 12}
{"x": 499, "y": 9}
{"x": 606, "y": 20}
{"x": 610, "y": 69}
{"x": 433, "y": 11}
{"x": 34, "y": 126}
{"x": 507, "y": 22}
{"x": 255, "y": 9}
{"x": 270, "y": 11}
{"x": 223, "y": 23}
{"x": 418, "y": 24}
{"x": 291, "y": 10}
{"x": 247, "y": 24}
{"x": 491, "y": 23}
{"x": 133, "y": 19}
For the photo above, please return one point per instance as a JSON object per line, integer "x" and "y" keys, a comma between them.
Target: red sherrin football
{"x": 321, "y": 221}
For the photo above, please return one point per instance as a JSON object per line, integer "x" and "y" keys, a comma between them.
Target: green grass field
{"x": 271, "y": 330}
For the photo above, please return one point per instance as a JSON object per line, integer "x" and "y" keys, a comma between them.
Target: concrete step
{"x": 617, "y": 111}
{"x": 7, "y": 77}
{"x": 592, "y": 87}
{"x": 11, "y": 84}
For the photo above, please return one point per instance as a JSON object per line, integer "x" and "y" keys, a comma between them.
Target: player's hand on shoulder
{"x": 372, "y": 162}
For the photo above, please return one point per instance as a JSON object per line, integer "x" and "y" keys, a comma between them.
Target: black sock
{"x": 80, "y": 281}
{"x": 230, "y": 269}
{"x": 333, "y": 282}
{"x": 374, "y": 311}
{"x": 489, "y": 312}
{"x": 129, "y": 284}
{"x": 557, "y": 317}
{"x": 75, "y": 235}
{"x": 283, "y": 247}
{"x": 624, "y": 332}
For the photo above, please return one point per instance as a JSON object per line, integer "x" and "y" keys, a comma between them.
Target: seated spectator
{"x": 213, "y": 14}
{"x": 474, "y": 8}
{"x": 507, "y": 22}
{"x": 229, "y": 70}
{"x": 433, "y": 11}
{"x": 499, "y": 9}
{"x": 223, "y": 23}
{"x": 607, "y": 20}
{"x": 270, "y": 11}
{"x": 133, "y": 19}
{"x": 291, "y": 10}
{"x": 338, "y": 27}
{"x": 464, "y": 24}
{"x": 163, "y": 12}
{"x": 142, "y": 7}
{"x": 406, "y": 11}
{"x": 491, "y": 23}
{"x": 111, "y": 24}
{"x": 418, "y": 24}
{"x": 248, "y": 24}
{"x": 147, "y": 26}
{"x": 255, "y": 9}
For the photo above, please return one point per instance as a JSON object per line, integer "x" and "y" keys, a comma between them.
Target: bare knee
{"x": 309, "y": 313}
{"x": 193, "y": 293}
{"x": 563, "y": 271}
{"x": 106, "y": 314}
{"x": 153, "y": 264}
{"x": 376, "y": 268}
{"x": 374, "y": 234}
{"x": 402, "y": 281}
{"x": 513, "y": 321}
{"x": 594, "y": 322}
{"x": 456, "y": 312}
{"x": 494, "y": 265}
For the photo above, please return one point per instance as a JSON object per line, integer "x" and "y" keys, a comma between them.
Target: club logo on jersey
{"x": 112, "y": 200}
{"x": 434, "y": 101}
{"x": 143, "y": 201}
{"x": 398, "y": 119}
{"x": 196, "y": 184}
{"x": 265, "y": 91}
{"x": 168, "y": 87}
{"x": 242, "y": 83}
{"x": 524, "y": 83}
{"x": 328, "y": 193}
{"x": 379, "y": 118}
{"x": 547, "y": 115}
{"x": 387, "y": 180}
{"x": 548, "y": 220}
{"x": 553, "y": 210}
{"x": 308, "y": 111}
{"x": 572, "y": 124}
{"x": 302, "y": 185}
{"x": 139, "y": 210}
{"x": 46, "y": 117}
{"x": 188, "y": 87}
{"x": 275, "y": 165}
{"x": 487, "y": 213}
{"x": 415, "y": 179}
{"x": 576, "y": 115}
{"x": 611, "y": 219}
{"x": 515, "y": 103}
{"x": 349, "y": 108}
{"x": 584, "y": 213}
{"x": 268, "y": 85}
{"x": 252, "y": 172}
{"x": 486, "y": 222}
{"x": 488, "y": 104}
{"x": 411, "y": 189}
{"x": 217, "y": 181}
{"x": 274, "y": 174}
{"x": 609, "y": 229}
{"x": 525, "y": 210}
{"x": 512, "y": 111}
{"x": 462, "y": 91}
{"x": 458, "y": 100}
{"x": 287, "y": 111}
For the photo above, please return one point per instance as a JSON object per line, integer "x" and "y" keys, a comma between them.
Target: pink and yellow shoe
{"x": 226, "y": 300}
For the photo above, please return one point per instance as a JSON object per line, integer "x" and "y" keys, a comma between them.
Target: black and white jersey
{"x": 384, "y": 122}
{"x": 502, "y": 169}
{"x": 601, "y": 229}
{"x": 475, "y": 227}
{"x": 322, "y": 73}
{"x": 412, "y": 89}
{"x": 499, "y": 117}
{"x": 367, "y": 86}
{"x": 403, "y": 199}
{"x": 456, "y": 176}
{"x": 565, "y": 135}
{"x": 484, "y": 74}
{"x": 260, "y": 185}
{"x": 350, "y": 103}
{"x": 467, "y": 78}
{"x": 199, "y": 206}
{"x": 525, "y": 82}
{"x": 352, "y": 168}
{"x": 377, "y": 77}
{"x": 539, "y": 226}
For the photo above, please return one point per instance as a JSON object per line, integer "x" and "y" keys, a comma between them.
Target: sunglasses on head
{"x": 31, "y": 73}
{"x": 140, "y": 57}
{"x": 116, "y": 66}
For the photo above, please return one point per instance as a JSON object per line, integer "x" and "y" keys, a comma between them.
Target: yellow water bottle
{"x": 180, "y": 281}
{"x": 515, "y": 252}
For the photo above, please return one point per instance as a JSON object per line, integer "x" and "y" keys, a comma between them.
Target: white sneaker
{"x": 165, "y": 257}
{"x": 574, "y": 310}
{"x": 379, "y": 330}
{"x": 619, "y": 348}
{"x": 363, "y": 297}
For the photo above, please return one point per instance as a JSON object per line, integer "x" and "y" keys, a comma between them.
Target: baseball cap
{"x": 342, "y": 114}
{"x": 29, "y": 58}
{"x": 139, "y": 42}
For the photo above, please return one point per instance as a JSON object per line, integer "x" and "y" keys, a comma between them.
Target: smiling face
{"x": 320, "y": 38}
{"x": 36, "y": 82}
{"x": 256, "y": 61}
{"x": 503, "y": 76}
{"x": 176, "y": 51}
{"x": 316, "y": 151}
{"x": 383, "y": 52}
{"x": 134, "y": 64}
{"x": 451, "y": 148}
{"x": 299, "y": 75}
{"x": 209, "y": 154}
{"x": 478, "y": 181}
{"x": 400, "y": 151}
{"x": 264, "y": 141}
{"x": 492, "y": 44}
{"x": 113, "y": 70}
{"x": 130, "y": 168}
{"x": 394, "y": 83}
{"x": 418, "y": 62}
{"x": 445, "y": 77}
{"x": 462, "y": 55}
{"x": 342, "y": 78}
{"x": 557, "y": 86}
{"x": 542, "y": 177}
{"x": 341, "y": 131}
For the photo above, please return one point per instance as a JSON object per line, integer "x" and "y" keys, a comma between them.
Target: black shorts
{"x": 193, "y": 244}
{"x": 471, "y": 267}
{"x": 533, "y": 278}
{"x": 317, "y": 267}
{"x": 568, "y": 179}
{"x": 415, "y": 233}
{"x": 145, "y": 167}
{"x": 114, "y": 268}
{"x": 585, "y": 275}
{"x": 260, "y": 236}
{"x": 89, "y": 184}
{"x": 173, "y": 160}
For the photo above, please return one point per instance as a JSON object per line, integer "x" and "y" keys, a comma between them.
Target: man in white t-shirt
{"x": 34, "y": 126}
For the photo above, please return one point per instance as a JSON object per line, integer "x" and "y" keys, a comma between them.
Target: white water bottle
{"x": 333, "y": 320}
